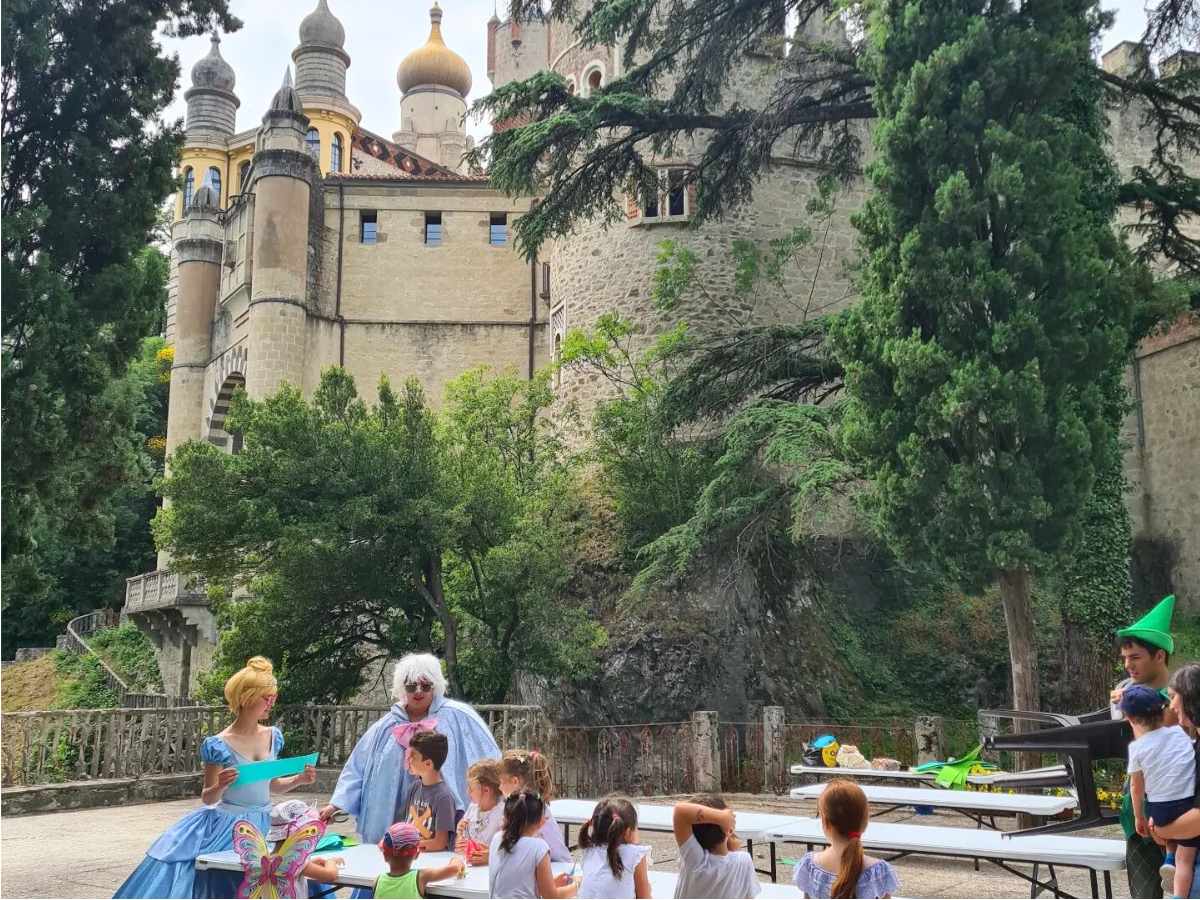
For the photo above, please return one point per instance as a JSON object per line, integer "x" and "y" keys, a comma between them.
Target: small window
{"x": 433, "y": 228}
{"x": 189, "y": 187}
{"x": 498, "y": 235}
{"x": 545, "y": 281}
{"x": 368, "y": 226}
{"x": 650, "y": 207}
{"x": 243, "y": 172}
{"x": 335, "y": 154}
{"x": 676, "y": 192}
{"x": 313, "y": 141}
{"x": 213, "y": 180}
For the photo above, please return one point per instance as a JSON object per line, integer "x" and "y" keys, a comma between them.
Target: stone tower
{"x": 434, "y": 82}
{"x": 282, "y": 179}
{"x": 321, "y": 63}
{"x": 211, "y": 117}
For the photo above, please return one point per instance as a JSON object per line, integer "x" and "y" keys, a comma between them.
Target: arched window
{"x": 213, "y": 180}
{"x": 189, "y": 187}
{"x": 243, "y": 171}
{"x": 313, "y": 140}
{"x": 594, "y": 80}
{"x": 335, "y": 154}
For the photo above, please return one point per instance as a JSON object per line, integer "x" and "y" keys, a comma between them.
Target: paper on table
{"x": 273, "y": 768}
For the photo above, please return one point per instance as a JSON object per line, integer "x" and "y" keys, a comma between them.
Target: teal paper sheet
{"x": 274, "y": 768}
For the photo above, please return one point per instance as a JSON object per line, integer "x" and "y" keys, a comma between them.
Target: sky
{"x": 379, "y": 33}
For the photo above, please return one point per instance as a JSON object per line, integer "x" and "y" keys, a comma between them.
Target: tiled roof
{"x": 401, "y": 175}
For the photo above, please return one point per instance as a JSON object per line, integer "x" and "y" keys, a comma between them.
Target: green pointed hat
{"x": 1155, "y": 626}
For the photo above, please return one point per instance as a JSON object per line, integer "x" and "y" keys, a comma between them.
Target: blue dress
{"x": 877, "y": 880}
{"x": 169, "y": 869}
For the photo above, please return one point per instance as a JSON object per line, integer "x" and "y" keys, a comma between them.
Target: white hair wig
{"x": 416, "y": 667}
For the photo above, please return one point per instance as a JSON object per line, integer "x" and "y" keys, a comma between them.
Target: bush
{"x": 130, "y": 654}
{"x": 83, "y": 685}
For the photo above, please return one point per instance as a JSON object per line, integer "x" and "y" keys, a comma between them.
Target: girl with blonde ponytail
{"x": 841, "y": 869}
{"x": 169, "y": 869}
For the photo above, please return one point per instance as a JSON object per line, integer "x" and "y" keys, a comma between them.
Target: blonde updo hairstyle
{"x": 252, "y": 682}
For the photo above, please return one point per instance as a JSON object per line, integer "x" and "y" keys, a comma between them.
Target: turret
{"x": 434, "y": 82}
{"x": 321, "y": 63}
{"x": 211, "y": 116}
{"x": 283, "y": 176}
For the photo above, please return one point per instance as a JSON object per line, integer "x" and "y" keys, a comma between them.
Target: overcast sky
{"x": 379, "y": 33}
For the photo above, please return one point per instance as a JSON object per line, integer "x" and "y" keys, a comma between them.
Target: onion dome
{"x": 212, "y": 71}
{"x": 434, "y": 63}
{"x": 322, "y": 27}
{"x": 286, "y": 98}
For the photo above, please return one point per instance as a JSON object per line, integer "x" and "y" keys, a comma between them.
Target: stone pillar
{"x": 775, "y": 773}
{"x": 930, "y": 739}
{"x": 706, "y": 752}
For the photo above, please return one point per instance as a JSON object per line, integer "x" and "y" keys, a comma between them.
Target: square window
{"x": 368, "y": 226}
{"x": 498, "y": 230}
{"x": 433, "y": 228}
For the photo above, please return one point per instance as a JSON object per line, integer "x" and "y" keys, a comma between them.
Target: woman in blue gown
{"x": 169, "y": 869}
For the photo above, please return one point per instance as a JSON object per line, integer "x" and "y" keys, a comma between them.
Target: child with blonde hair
{"x": 485, "y": 816}
{"x": 529, "y": 769}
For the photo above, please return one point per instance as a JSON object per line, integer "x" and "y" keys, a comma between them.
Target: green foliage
{"x": 86, "y": 165}
{"x": 83, "y": 685}
{"x": 365, "y": 532}
{"x": 130, "y": 654}
{"x": 66, "y": 573}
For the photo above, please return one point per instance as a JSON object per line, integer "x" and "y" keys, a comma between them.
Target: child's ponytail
{"x": 532, "y": 769}
{"x": 522, "y": 809}
{"x": 843, "y": 807}
{"x": 610, "y": 821}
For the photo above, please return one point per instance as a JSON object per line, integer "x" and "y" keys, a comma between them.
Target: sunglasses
{"x": 423, "y": 686}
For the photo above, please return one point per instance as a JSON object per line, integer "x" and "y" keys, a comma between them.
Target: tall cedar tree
{"x": 86, "y": 166}
{"x": 997, "y": 300}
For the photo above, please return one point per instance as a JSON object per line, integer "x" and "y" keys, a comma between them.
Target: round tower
{"x": 321, "y": 63}
{"x": 434, "y": 82}
{"x": 199, "y": 241}
{"x": 283, "y": 176}
{"x": 211, "y": 116}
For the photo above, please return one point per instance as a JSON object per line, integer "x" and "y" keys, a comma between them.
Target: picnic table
{"x": 1098, "y": 856}
{"x": 1047, "y": 776}
{"x": 975, "y": 805}
{"x": 364, "y": 863}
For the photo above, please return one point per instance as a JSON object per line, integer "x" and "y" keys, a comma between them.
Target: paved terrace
{"x": 88, "y": 853}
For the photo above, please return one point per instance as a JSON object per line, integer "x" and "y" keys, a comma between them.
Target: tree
{"x": 72, "y": 573}
{"x": 85, "y": 167}
{"x": 997, "y": 300}
{"x": 361, "y": 533}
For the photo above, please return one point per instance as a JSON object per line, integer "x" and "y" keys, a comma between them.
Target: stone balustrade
{"x": 160, "y": 589}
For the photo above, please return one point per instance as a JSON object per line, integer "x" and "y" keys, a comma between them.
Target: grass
{"x": 29, "y": 685}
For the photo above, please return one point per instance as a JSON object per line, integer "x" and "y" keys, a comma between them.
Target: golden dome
{"x": 435, "y": 63}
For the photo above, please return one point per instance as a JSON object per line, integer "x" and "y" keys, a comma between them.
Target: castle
{"x": 310, "y": 241}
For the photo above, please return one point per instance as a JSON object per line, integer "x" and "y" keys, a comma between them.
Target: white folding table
{"x": 1099, "y": 856}
{"x": 364, "y": 864}
{"x": 751, "y": 826}
{"x": 975, "y": 805}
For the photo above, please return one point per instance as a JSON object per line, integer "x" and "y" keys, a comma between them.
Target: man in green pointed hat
{"x": 1146, "y": 648}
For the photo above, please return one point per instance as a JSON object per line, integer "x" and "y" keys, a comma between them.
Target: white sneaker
{"x": 1167, "y": 873}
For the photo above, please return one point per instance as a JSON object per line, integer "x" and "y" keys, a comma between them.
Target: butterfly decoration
{"x": 274, "y": 874}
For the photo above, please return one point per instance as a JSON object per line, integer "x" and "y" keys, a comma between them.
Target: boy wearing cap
{"x": 401, "y": 845}
{"x": 1146, "y": 647}
{"x": 1162, "y": 775}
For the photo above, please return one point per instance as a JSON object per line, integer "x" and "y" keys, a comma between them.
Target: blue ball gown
{"x": 169, "y": 869}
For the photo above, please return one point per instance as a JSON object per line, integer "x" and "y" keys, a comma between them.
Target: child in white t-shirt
{"x": 1162, "y": 779}
{"x": 711, "y": 861}
{"x": 485, "y": 816}
{"x": 519, "y": 860}
{"x": 615, "y": 865}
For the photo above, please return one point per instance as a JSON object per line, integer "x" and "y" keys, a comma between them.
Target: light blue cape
{"x": 375, "y": 779}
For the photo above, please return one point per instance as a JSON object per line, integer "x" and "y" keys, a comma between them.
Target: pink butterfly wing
{"x": 294, "y": 854}
{"x": 252, "y": 851}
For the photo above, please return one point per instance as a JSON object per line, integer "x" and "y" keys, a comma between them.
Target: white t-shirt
{"x": 598, "y": 881}
{"x": 1167, "y": 759}
{"x": 481, "y": 826}
{"x": 704, "y": 874}
{"x": 514, "y": 873}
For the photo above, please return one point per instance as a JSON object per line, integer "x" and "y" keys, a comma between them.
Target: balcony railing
{"x": 160, "y": 589}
